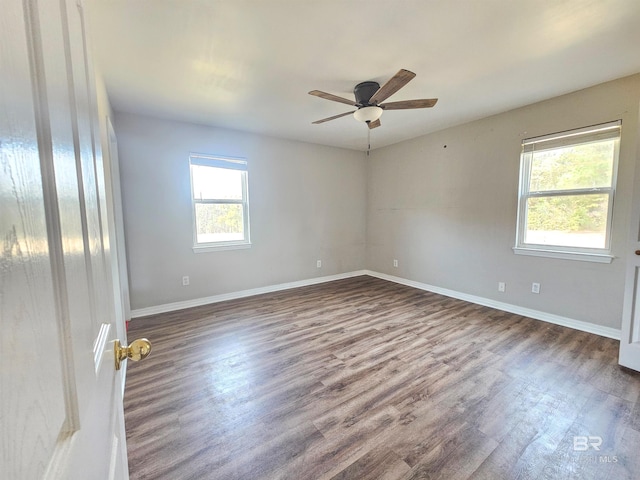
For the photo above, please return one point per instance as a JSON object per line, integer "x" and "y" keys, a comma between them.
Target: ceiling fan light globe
{"x": 368, "y": 114}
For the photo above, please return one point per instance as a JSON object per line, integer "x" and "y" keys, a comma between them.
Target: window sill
{"x": 583, "y": 257}
{"x": 221, "y": 247}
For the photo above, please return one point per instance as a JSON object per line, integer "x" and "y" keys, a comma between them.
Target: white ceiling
{"x": 248, "y": 65}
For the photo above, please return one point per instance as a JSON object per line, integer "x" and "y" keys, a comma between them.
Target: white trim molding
{"x": 585, "y": 257}
{"x": 507, "y": 307}
{"x": 487, "y": 302}
{"x": 197, "y": 302}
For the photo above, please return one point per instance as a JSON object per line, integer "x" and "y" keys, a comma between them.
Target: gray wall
{"x": 448, "y": 214}
{"x": 307, "y": 202}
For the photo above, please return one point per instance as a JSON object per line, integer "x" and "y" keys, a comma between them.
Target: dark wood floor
{"x": 365, "y": 379}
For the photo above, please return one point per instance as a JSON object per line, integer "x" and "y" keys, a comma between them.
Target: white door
{"x": 61, "y": 398}
{"x": 630, "y": 337}
{"x": 114, "y": 199}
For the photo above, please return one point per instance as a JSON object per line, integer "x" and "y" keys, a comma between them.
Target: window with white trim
{"x": 567, "y": 186}
{"x": 220, "y": 197}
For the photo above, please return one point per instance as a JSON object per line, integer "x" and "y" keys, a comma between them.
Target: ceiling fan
{"x": 369, "y": 96}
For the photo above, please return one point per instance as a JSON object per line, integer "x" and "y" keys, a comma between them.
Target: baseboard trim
{"x": 506, "y": 307}
{"x": 197, "y": 302}
{"x": 487, "y": 302}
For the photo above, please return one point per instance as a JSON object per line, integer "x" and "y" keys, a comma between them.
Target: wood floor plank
{"x": 634, "y": 417}
{"x": 625, "y": 461}
{"x": 505, "y": 460}
{"x": 379, "y": 464}
{"x": 473, "y": 447}
{"x": 551, "y": 419}
{"x": 366, "y": 379}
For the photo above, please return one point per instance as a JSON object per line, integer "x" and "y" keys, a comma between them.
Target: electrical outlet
{"x": 185, "y": 281}
{"x": 502, "y": 286}
{"x": 319, "y": 264}
{"x": 535, "y": 287}
{"x": 395, "y": 263}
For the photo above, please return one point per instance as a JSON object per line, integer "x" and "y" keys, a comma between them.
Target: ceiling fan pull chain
{"x": 368, "y": 141}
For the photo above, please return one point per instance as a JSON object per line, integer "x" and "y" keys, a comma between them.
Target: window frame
{"x": 230, "y": 163}
{"x": 609, "y": 130}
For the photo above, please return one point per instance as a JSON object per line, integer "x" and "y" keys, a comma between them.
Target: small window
{"x": 219, "y": 190}
{"x": 567, "y": 185}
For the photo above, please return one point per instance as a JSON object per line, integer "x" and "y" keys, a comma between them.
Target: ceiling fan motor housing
{"x": 364, "y": 91}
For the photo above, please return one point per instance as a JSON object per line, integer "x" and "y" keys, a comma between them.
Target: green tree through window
{"x": 567, "y": 186}
{"x": 220, "y": 200}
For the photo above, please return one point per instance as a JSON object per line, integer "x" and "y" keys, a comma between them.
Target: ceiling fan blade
{"x": 335, "y": 98}
{"x": 407, "y": 104}
{"x": 333, "y": 118}
{"x": 374, "y": 124}
{"x": 394, "y": 84}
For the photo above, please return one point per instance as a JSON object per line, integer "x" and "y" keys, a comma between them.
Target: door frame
{"x": 629, "y": 355}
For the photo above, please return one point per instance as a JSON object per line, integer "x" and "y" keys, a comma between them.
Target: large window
{"x": 567, "y": 185}
{"x": 220, "y": 202}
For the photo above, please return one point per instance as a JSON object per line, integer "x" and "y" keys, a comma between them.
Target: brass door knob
{"x": 137, "y": 350}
